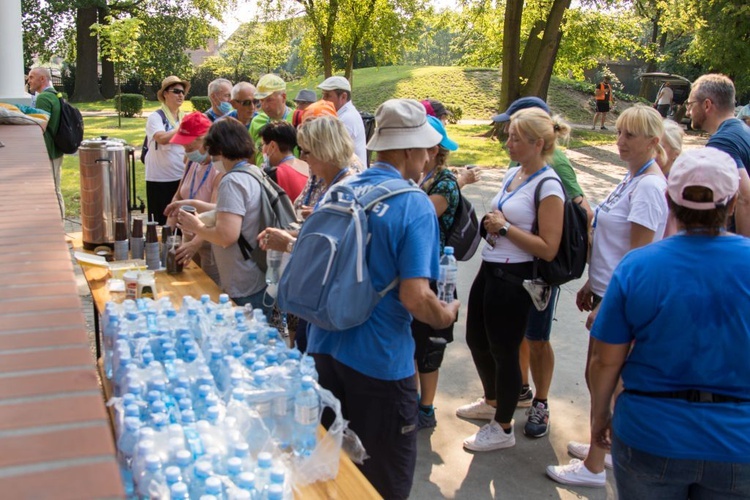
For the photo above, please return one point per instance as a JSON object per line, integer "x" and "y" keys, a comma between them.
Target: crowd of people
{"x": 665, "y": 277}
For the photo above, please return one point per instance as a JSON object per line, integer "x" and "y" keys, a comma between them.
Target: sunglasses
{"x": 177, "y": 91}
{"x": 248, "y": 102}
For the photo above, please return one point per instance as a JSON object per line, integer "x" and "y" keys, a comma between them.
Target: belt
{"x": 690, "y": 395}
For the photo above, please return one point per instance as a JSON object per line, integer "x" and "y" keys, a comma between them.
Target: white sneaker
{"x": 490, "y": 437}
{"x": 479, "y": 409}
{"x": 576, "y": 474}
{"x": 581, "y": 450}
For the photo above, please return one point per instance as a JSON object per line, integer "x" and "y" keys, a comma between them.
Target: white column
{"x": 11, "y": 55}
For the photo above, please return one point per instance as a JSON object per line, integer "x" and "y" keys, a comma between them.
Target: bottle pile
{"x": 209, "y": 402}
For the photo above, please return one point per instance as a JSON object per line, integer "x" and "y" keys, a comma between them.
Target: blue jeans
{"x": 258, "y": 302}
{"x": 643, "y": 476}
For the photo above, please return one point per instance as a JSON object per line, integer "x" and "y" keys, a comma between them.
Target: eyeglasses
{"x": 177, "y": 91}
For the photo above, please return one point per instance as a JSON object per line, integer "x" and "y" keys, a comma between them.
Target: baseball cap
{"x": 435, "y": 108}
{"x": 193, "y": 125}
{"x": 306, "y": 95}
{"x": 704, "y": 167}
{"x": 319, "y": 108}
{"x": 336, "y": 83}
{"x": 402, "y": 124}
{"x": 447, "y": 142}
{"x": 268, "y": 84}
{"x": 518, "y": 105}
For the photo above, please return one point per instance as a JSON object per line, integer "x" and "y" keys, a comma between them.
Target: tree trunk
{"x": 326, "y": 50}
{"x": 109, "y": 89}
{"x": 548, "y": 76}
{"x": 538, "y": 80}
{"x": 510, "y": 80}
{"x": 87, "y": 77}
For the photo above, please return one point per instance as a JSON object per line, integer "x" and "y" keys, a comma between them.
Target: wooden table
{"x": 349, "y": 484}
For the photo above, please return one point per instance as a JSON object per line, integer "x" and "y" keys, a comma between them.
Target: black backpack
{"x": 144, "y": 148}
{"x": 70, "y": 130}
{"x": 570, "y": 261}
{"x": 464, "y": 234}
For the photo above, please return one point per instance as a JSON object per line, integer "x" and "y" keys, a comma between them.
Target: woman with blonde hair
{"x": 498, "y": 303}
{"x": 671, "y": 141}
{"x": 632, "y": 216}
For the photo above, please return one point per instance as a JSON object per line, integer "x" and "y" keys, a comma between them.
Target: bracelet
{"x": 290, "y": 247}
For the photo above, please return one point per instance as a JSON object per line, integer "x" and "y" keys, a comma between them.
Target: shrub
{"x": 132, "y": 104}
{"x": 457, "y": 111}
{"x": 201, "y": 103}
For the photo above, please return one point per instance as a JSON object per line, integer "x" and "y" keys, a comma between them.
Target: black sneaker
{"x": 604, "y": 128}
{"x": 525, "y": 397}
{"x": 538, "y": 423}
{"x": 426, "y": 420}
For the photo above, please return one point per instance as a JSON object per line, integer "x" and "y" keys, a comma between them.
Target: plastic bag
{"x": 323, "y": 463}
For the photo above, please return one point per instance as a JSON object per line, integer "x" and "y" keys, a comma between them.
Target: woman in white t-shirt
{"x": 498, "y": 303}
{"x": 633, "y": 215}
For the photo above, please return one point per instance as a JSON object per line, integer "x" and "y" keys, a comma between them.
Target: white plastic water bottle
{"x": 448, "y": 276}
{"x": 306, "y": 418}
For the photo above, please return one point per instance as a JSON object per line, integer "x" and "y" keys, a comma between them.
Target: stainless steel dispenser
{"x": 104, "y": 189}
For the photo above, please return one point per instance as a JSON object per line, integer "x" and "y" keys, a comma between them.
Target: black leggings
{"x": 495, "y": 326}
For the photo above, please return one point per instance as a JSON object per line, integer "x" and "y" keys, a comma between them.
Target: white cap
{"x": 705, "y": 167}
{"x": 336, "y": 83}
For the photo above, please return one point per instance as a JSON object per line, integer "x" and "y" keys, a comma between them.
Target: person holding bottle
{"x": 498, "y": 303}
{"x": 442, "y": 187}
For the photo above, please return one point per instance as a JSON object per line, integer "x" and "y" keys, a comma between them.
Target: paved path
{"x": 444, "y": 469}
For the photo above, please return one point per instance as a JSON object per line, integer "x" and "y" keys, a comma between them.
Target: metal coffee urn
{"x": 104, "y": 189}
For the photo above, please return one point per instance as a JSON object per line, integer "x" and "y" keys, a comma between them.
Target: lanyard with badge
{"x": 615, "y": 195}
{"x": 504, "y": 199}
{"x": 339, "y": 175}
{"x": 193, "y": 192}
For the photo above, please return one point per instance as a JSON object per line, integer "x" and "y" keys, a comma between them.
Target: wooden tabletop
{"x": 349, "y": 484}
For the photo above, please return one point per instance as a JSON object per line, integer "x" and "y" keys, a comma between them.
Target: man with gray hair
{"x": 243, "y": 101}
{"x": 219, "y": 93}
{"x": 48, "y": 100}
{"x": 710, "y": 107}
{"x": 370, "y": 367}
{"x": 338, "y": 91}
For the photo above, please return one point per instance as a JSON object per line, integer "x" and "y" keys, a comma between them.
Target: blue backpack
{"x": 327, "y": 281}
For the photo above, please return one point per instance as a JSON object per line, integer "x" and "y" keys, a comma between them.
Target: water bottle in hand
{"x": 448, "y": 276}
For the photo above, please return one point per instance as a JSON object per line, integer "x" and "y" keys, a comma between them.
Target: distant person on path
{"x": 671, "y": 141}
{"x": 744, "y": 114}
{"x": 271, "y": 91}
{"x": 219, "y": 93}
{"x": 604, "y": 100}
{"x": 338, "y": 91}
{"x": 664, "y": 100}
{"x": 243, "y": 102}
{"x": 165, "y": 163}
{"x": 499, "y": 304}
{"x": 679, "y": 429}
{"x": 536, "y": 350}
{"x": 710, "y": 107}
{"x": 47, "y": 100}
{"x": 632, "y": 216}
{"x": 370, "y": 368}
{"x": 304, "y": 99}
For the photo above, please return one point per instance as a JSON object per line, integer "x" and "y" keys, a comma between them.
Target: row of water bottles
{"x": 209, "y": 401}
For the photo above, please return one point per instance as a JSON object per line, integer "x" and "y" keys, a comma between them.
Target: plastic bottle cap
{"x": 203, "y": 469}
{"x": 448, "y": 250}
{"x": 275, "y": 492}
{"x": 213, "y": 485}
{"x": 179, "y": 489}
{"x": 265, "y": 460}
{"x": 241, "y": 450}
{"x": 277, "y": 475}
{"x": 246, "y": 480}
{"x": 184, "y": 458}
{"x": 234, "y": 465}
{"x": 172, "y": 474}
{"x": 152, "y": 462}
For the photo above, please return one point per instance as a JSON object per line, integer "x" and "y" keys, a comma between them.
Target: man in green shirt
{"x": 47, "y": 100}
{"x": 536, "y": 350}
{"x": 271, "y": 91}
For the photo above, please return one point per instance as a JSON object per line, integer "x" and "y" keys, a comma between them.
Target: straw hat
{"x": 168, "y": 82}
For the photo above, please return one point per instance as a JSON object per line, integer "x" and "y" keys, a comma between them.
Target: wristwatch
{"x": 504, "y": 230}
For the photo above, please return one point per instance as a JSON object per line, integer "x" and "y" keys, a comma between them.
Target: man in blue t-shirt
{"x": 710, "y": 107}
{"x": 370, "y": 368}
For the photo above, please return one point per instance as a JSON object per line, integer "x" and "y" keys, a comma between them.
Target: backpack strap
{"x": 245, "y": 247}
{"x": 380, "y": 193}
{"x": 535, "y": 226}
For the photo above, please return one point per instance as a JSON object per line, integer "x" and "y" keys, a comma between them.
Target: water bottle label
{"x": 279, "y": 407}
{"x": 306, "y": 415}
{"x": 263, "y": 409}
